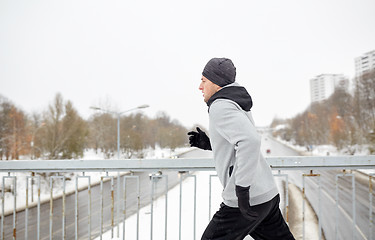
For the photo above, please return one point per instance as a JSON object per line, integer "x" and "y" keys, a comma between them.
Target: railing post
{"x": 27, "y": 205}
{"x": 2, "y": 209}
{"x": 311, "y": 174}
{"x": 51, "y": 206}
{"x": 14, "y": 205}
{"x": 371, "y": 177}
{"x": 286, "y": 194}
{"x": 209, "y": 196}
{"x": 153, "y": 177}
{"x": 353, "y": 202}
{"x": 118, "y": 204}
{"x": 102, "y": 204}
{"x": 88, "y": 205}
{"x": 183, "y": 176}
{"x": 124, "y": 205}
{"x": 180, "y": 208}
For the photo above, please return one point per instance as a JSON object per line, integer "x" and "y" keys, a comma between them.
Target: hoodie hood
{"x": 236, "y": 93}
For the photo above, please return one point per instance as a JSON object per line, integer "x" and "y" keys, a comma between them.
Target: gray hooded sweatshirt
{"x": 236, "y": 147}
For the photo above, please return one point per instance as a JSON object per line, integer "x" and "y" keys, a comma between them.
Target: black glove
{"x": 199, "y": 139}
{"x": 244, "y": 204}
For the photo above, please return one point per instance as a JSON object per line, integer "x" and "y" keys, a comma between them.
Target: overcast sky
{"x": 122, "y": 54}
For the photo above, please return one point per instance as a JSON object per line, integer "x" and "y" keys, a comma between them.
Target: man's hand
{"x": 244, "y": 204}
{"x": 199, "y": 139}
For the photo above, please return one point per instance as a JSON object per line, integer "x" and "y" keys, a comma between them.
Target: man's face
{"x": 208, "y": 88}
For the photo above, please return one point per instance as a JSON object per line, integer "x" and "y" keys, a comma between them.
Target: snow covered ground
{"x": 330, "y": 150}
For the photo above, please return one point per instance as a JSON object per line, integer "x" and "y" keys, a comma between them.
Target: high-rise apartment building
{"x": 364, "y": 63}
{"x": 324, "y": 85}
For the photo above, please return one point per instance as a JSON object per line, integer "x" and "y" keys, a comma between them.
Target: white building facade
{"x": 324, "y": 85}
{"x": 364, "y": 63}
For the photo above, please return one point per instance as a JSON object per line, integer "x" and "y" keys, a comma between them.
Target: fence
{"x": 119, "y": 175}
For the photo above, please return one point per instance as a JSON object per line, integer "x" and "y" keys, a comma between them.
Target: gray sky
{"x": 122, "y": 54}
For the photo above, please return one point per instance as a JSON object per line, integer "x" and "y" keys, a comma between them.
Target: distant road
{"x": 328, "y": 196}
{"x": 328, "y": 203}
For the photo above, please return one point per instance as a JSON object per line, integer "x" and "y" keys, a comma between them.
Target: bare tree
{"x": 64, "y": 132}
{"x": 13, "y": 131}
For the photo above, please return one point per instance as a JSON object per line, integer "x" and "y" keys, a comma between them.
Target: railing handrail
{"x": 276, "y": 163}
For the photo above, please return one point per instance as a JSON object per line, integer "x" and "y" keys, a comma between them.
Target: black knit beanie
{"x": 220, "y": 71}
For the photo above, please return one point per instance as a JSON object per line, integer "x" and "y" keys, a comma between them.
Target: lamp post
{"x": 32, "y": 157}
{"x": 118, "y": 114}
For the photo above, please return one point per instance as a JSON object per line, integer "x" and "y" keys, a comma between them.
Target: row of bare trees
{"x": 60, "y": 133}
{"x": 137, "y": 132}
{"x": 344, "y": 120}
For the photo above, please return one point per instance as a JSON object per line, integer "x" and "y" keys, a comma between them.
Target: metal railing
{"x": 157, "y": 168}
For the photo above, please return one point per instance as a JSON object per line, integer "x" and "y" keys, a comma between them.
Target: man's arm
{"x": 234, "y": 125}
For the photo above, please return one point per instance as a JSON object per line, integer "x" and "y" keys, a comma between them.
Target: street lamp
{"x": 32, "y": 157}
{"x": 118, "y": 114}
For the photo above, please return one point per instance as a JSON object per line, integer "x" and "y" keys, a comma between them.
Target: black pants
{"x": 229, "y": 224}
